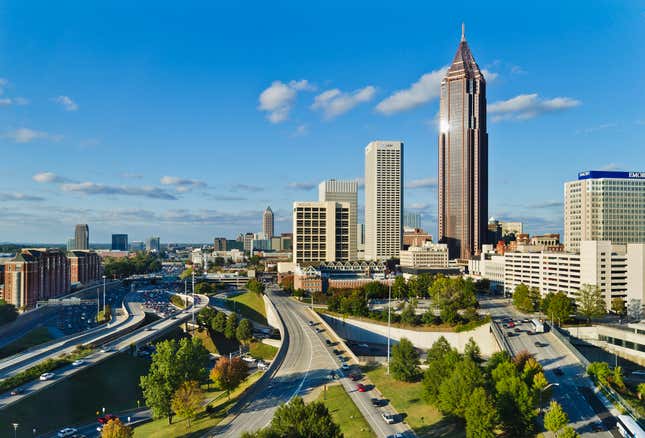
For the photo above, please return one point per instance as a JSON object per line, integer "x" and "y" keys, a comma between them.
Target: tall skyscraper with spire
{"x": 267, "y": 223}
{"x": 82, "y": 236}
{"x": 463, "y": 156}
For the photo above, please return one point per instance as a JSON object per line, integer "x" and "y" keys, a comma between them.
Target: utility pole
{"x": 193, "y": 299}
{"x": 104, "y": 296}
{"x": 389, "y": 309}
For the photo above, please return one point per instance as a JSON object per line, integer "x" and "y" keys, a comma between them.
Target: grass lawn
{"x": 113, "y": 384}
{"x": 206, "y": 339}
{"x": 250, "y": 305}
{"x": 262, "y": 351}
{"x": 30, "y": 339}
{"x": 198, "y": 426}
{"x": 345, "y": 413}
{"x": 407, "y": 398}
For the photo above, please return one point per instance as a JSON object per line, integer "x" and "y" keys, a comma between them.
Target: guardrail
{"x": 500, "y": 338}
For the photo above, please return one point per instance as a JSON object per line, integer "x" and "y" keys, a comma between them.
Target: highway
{"x": 307, "y": 365}
{"x": 123, "y": 343}
{"x": 574, "y": 391}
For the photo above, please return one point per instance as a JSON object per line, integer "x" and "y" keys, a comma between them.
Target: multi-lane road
{"x": 307, "y": 365}
{"x": 574, "y": 391}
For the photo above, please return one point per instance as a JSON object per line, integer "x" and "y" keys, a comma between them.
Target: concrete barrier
{"x": 272, "y": 316}
{"x": 317, "y": 317}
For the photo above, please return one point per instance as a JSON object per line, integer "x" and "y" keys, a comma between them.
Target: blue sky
{"x": 186, "y": 120}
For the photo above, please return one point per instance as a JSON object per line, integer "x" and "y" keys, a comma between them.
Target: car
{"x": 558, "y": 372}
{"x": 510, "y": 334}
{"x": 106, "y": 418}
{"x": 375, "y": 402}
{"x": 262, "y": 365}
{"x": 311, "y": 323}
{"x": 396, "y": 435}
{"x": 344, "y": 367}
{"x": 66, "y": 432}
{"x": 388, "y": 418}
{"x": 525, "y": 321}
{"x": 517, "y": 329}
{"x": 17, "y": 391}
{"x": 537, "y": 343}
{"x": 46, "y": 376}
{"x": 511, "y": 324}
{"x": 319, "y": 330}
{"x": 598, "y": 426}
{"x": 327, "y": 341}
{"x": 355, "y": 376}
{"x": 529, "y": 332}
{"x": 361, "y": 388}
{"x": 337, "y": 352}
{"x": 363, "y": 345}
{"x": 105, "y": 349}
{"x": 78, "y": 363}
{"x": 343, "y": 359}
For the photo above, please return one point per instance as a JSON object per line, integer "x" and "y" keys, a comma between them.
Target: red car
{"x": 105, "y": 419}
{"x": 361, "y": 388}
{"x": 511, "y": 324}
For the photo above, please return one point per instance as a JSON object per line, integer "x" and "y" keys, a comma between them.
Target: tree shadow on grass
{"x": 447, "y": 427}
{"x": 198, "y": 430}
{"x": 247, "y": 312}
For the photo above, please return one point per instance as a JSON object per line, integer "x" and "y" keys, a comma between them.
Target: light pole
{"x": 193, "y": 299}
{"x": 15, "y": 429}
{"x": 98, "y": 303}
{"x": 389, "y": 310}
{"x": 544, "y": 389}
{"x": 104, "y": 296}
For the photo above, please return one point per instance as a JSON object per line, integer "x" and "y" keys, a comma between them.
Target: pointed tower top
{"x": 463, "y": 31}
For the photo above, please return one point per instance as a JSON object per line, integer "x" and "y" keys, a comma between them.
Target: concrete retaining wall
{"x": 363, "y": 331}
{"x": 272, "y": 316}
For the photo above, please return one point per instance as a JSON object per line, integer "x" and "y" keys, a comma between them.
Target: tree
{"x": 568, "y": 432}
{"x": 255, "y": 286}
{"x": 481, "y": 415}
{"x": 522, "y": 298}
{"x": 472, "y": 350}
{"x": 591, "y": 303}
{"x": 405, "y": 361}
{"x": 186, "y": 273}
{"x": 555, "y": 418}
{"x": 399, "y": 288}
{"x": 218, "y": 323}
{"x": 231, "y": 326}
{"x": 456, "y": 391}
{"x": 287, "y": 283}
{"x": 640, "y": 389}
{"x": 244, "y": 331}
{"x": 228, "y": 374}
{"x": 619, "y": 306}
{"x": 205, "y": 288}
{"x": 375, "y": 289}
{"x": 191, "y": 360}
{"x": 115, "y": 429}
{"x": 295, "y": 419}
{"x": 187, "y": 400}
{"x": 558, "y": 306}
{"x": 205, "y": 316}
{"x": 409, "y": 315}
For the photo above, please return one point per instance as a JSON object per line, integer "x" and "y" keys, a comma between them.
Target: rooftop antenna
{"x": 463, "y": 31}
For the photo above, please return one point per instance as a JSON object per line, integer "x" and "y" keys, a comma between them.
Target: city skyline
{"x": 164, "y": 95}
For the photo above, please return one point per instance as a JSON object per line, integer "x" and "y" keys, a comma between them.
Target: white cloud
{"x": 277, "y": 100}
{"x": 6, "y": 101}
{"x": 26, "y": 135}
{"x": 66, "y": 102}
{"x": 422, "y": 183}
{"x": 49, "y": 177}
{"x": 182, "y": 185}
{"x": 419, "y": 206}
{"x": 91, "y": 188}
{"x": 593, "y": 129}
{"x": 527, "y": 106}
{"x": 301, "y": 130}
{"x": 335, "y": 102}
{"x": 612, "y": 166}
{"x": 489, "y": 75}
{"x": 422, "y": 91}
{"x": 15, "y": 196}
{"x": 301, "y": 185}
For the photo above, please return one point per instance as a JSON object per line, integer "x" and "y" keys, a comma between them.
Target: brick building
{"x": 84, "y": 266}
{"x": 36, "y": 274}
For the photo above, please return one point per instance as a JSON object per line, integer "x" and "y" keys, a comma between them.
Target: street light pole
{"x": 544, "y": 389}
{"x": 15, "y": 429}
{"x": 104, "y": 296}
{"x": 389, "y": 311}
{"x": 193, "y": 299}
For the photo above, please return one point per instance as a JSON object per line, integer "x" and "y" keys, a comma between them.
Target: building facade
{"x": 84, "y": 266}
{"x": 119, "y": 242}
{"x": 411, "y": 220}
{"x": 268, "y": 223}
{"x": 321, "y": 231}
{"x": 343, "y": 191}
{"x": 82, "y": 236}
{"x": 415, "y": 237}
{"x": 383, "y": 199}
{"x": 602, "y": 205}
{"x": 153, "y": 244}
{"x": 463, "y": 157}
{"x": 219, "y": 244}
{"x": 430, "y": 255}
{"x": 36, "y": 274}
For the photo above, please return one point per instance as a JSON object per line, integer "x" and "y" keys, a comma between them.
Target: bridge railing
{"x": 500, "y": 338}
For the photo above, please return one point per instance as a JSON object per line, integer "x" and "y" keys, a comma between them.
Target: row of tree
{"x": 589, "y": 302}
{"x": 218, "y": 322}
{"x": 140, "y": 263}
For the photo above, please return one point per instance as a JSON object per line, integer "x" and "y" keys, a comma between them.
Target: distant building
{"x": 261, "y": 244}
{"x": 234, "y": 244}
{"x": 415, "y": 237}
{"x": 603, "y": 205}
{"x": 430, "y": 255}
{"x": 220, "y": 244}
{"x": 248, "y": 242}
{"x": 490, "y": 266}
{"x": 321, "y": 231}
{"x": 153, "y": 244}
{"x": 268, "y": 223}
{"x": 71, "y": 244}
{"x": 383, "y": 199}
{"x": 84, "y": 266}
{"x": 338, "y": 275}
{"x": 119, "y": 242}
{"x": 36, "y": 274}
{"x": 360, "y": 241}
{"x": 343, "y": 191}
{"x": 511, "y": 228}
{"x": 82, "y": 237}
{"x": 495, "y": 232}
{"x": 137, "y": 245}
{"x": 411, "y": 220}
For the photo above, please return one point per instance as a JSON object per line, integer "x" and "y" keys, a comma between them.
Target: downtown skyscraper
{"x": 463, "y": 156}
{"x": 268, "y": 223}
{"x": 343, "y": 191}
{"x": 82, "y": 236}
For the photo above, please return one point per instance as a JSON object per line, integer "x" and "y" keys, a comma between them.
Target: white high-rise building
{"x": 383, "y": 199}
{"x": 321, "y": 231}
{"x": 602, "y": 205}
{"x": 343, "y": 191}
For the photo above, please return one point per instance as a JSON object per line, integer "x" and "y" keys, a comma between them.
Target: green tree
{"x": 640, "y": 389}
{"x": 555, "y": 418}
{"x": 559, "y": 307}
{"x": 186, "y": 273}
{"x": 228, "y": 374}
{"x": 404, "y": 363}
{"x": 515, "y": 399}
{"x": 187, "y": 400}
{"x": 591, "y": 303}
{"x": 295, "y": 420}
{"x": 619, "y": 306}
{"x": 191, "y": 359}
{"x": 375, "y": 289}
{"x": 409, "y": 315}
{"x": 205, "y": 288}
{"x": 255, "y": 286}
{"x": 455, "y": 392}
{"x": 442, "y": 360}
{"x": 205, "y": 316}
{"x": 116, "y": 429}
{"x": 399, "y": 288}
{"x": 600, "y": 372}
{"x": 481, "y": 415}
{"x": 617, "y": 378}
{"x": 218, "y": 323}
{"x": 522, "y": 298}
{"x": 472, "y": 350}
{"x": 568, "y": 432}
{"x": 231, "y": 326}
{"x": 244, "y": 331}
{"x": 286, "y": 283}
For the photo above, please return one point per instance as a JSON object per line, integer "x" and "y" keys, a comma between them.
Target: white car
{"x": 68, "y": 431}
{"x": 78, "y": 363}
{"x": 388, "y": 418}
{"x": 47, "y": 376}
{"x": 344, "y": 367}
